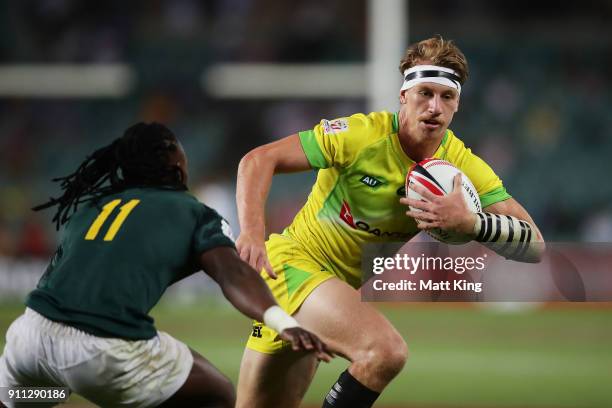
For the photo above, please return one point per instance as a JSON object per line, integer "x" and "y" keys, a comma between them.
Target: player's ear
{"x": 402, "y": 96}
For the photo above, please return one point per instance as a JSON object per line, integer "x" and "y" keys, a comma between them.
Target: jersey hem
{"x": 49, "y": 312}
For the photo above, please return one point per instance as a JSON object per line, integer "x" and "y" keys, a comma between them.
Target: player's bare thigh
{"x": 355, "y": 330}
{"x": 350, "y": 328}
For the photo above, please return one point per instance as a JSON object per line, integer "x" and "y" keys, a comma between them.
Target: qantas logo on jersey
{"x": 371, "y": 181}
{"x": 347, "y": 217}
{"x": 331, "y": 127}
{"x": 345, "y": 214}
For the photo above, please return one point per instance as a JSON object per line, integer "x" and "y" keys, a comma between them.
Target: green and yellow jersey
{"x": 361, "y": 175}
{"x": 117, "y": 257}
{"x": 355, "y": 200}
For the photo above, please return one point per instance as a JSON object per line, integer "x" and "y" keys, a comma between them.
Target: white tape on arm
{"x": 278, "y": 320}
{"x": 509, "y": 236}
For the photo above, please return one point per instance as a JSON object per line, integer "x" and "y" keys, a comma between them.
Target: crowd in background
{"x": 536, "y": 105}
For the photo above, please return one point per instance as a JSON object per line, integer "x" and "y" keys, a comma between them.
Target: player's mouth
{"x": 431, "y": 124}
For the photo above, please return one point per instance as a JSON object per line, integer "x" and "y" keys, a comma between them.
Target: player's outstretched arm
{"x": 255, "y": 173}
{"x": 248, "y": 293}
{"x": 505, "y": 227}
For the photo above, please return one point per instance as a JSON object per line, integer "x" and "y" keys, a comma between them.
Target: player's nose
{"x": 435, "y": 105}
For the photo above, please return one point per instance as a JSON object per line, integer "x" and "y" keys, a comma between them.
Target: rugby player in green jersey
{"x": 314, "y": 266}
{"x": 131, "y": 229}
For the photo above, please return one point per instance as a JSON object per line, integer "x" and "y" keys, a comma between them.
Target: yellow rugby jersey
{"x": 361, "y": 174}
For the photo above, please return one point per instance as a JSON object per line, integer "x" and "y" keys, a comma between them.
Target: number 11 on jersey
{"x": 124, "y": 211}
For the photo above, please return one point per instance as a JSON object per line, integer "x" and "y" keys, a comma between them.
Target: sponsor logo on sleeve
{"x": 332, "y": 127}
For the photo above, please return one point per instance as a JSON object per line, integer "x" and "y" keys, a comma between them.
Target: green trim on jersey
{"x": 444, "y": 139}
{"x": 494, "y": 196}
{"x": 312, "y": 150}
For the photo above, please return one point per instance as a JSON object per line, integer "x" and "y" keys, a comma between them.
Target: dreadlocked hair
{"x": 139, "y": 158}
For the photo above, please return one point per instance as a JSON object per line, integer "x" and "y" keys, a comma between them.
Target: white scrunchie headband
{"x": 431, "y": 73}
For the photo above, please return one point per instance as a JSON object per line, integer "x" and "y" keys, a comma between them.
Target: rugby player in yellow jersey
{"x": 313, "y": 267}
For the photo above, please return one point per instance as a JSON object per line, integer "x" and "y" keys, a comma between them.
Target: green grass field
{"x": 460, "y": 356}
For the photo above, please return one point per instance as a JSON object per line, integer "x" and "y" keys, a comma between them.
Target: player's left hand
{"x": 449, "y": 212}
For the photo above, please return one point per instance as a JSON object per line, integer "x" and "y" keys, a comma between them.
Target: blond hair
{"x": 436, "y": 51}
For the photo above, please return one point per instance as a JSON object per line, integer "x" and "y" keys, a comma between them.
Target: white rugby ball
{"x": 437, "y": 176}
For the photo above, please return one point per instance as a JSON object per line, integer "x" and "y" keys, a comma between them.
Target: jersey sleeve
{"x": 336, "y": 143}
{"x": 212, "y": 231}
{"x": 488, "y": 185}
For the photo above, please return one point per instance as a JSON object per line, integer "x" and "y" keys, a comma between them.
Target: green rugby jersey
{"x": 116, "y": 259}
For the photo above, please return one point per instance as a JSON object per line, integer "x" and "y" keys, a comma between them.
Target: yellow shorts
{"x": 298, "y": 275}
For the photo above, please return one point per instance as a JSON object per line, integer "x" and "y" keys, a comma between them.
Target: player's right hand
{"x": 303, "y": 340}
{"x": 253, "y": 252}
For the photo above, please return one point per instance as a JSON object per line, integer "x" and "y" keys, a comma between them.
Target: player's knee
{"x": 387, "y": 355}
{"x": 394, "y": 355}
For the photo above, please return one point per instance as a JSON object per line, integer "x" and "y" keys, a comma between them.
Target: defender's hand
{"x": 449, "y": 212}
{"x": 303, "y": 340}
{"x": 253, "y": 252}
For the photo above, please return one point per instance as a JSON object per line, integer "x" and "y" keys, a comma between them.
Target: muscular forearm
{"x": 253, "y": 185}
{"x": 255, "y": 174}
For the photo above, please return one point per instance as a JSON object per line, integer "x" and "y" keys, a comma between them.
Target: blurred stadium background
{"x": 228, "y": 75}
